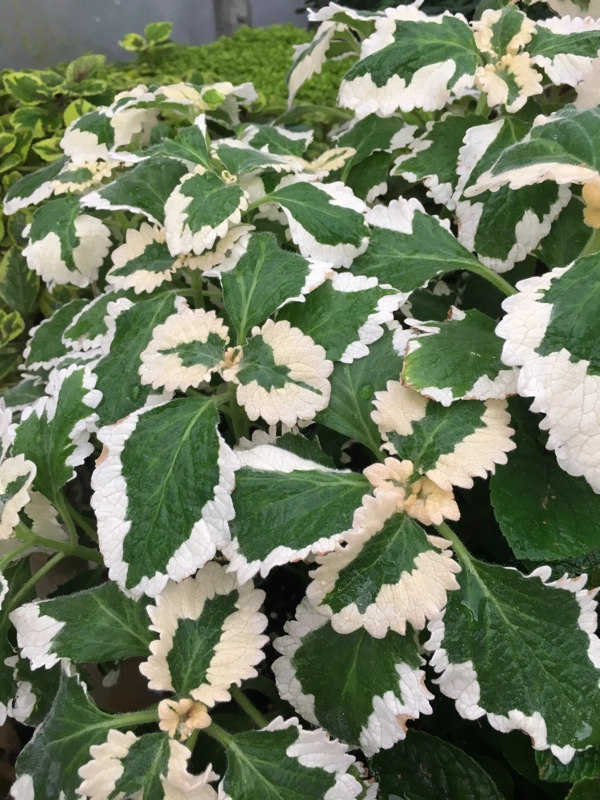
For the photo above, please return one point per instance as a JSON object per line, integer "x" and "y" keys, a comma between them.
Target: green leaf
{"x": 262, "y": 280}
{"x": 389, "y": 574}
{"x": 27, "y": 391}
{"x": 166, "y": 464}
{"x": 239, "y": 158}
{"x": 278, "y": 140}
{"x": 408, "y": 248}
{"x": 96, "y": 625}
{"x": 544, "y": 513}
{"x": 563, "y": 146}
{"x": 27, "y": 87}
{"x": 551, "y": 330}
{"x": 141, "y": 190}
{"x": 546, "y": 44}
{"x": 84, "y": 67}
{"x": 158, "y": 32}
{"x": 133, "y": 42}
{"x": 360, "y": 689}
{"x": 117, "y": 372}
{"x": 382, "y": 82}
{"x": 32, "y": 188}
{"x": 427, "y": 768}
{"x": 199, "y": 211}
{"x": 49, "y": 764}
{"x": 522, "y": 651}
{"x": 344, "y": 315}
{"x": 55, "y": 434}
{"x": 188, "y": 144}
{"x": 8, "y": 143}
{"x": 457, "y": 359}
{"x": 57, "y": 219}
{"x": 587, "y": 789}
{"x": 285, "y": 508}
{"x": 326, "y": 220}
{"x": 45, "y": 346}
{"x": 568, "y": 236}
{"x": 76, "y": 109}
{"x": 18, "y": 155}
{"x": 87, "y": 329}
{"x": 19, "y": 286}
{"x": 35, "y": 693}
{"x": 585, "y": 764}
{"x": 309, "y": 449}
{"x": 36, "y": 118}
{"x": 48, "y": 149}
{"x": 353, "y": 388}
{"x": 368, "y": 179}
{"x": 11, "y": 326}
{"x": 307, "y": 764}
{"x": 373, "y": 134}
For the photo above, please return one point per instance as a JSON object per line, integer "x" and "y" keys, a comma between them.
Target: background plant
{"x": 319, "y": 429}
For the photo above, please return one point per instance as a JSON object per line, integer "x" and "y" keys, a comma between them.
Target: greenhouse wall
{"x": 37, "y": 33}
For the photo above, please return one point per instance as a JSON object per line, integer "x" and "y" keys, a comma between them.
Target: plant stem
{"x": 219, "y": 734}
{"x": 135, "y": 718}
{"x": 4, "y": 562}
{"x": 61, "y": 505}
{"x": 239, "y": 420}
{"x": 593, "y": 245}
{"x": 459, "y": 548}
{"x": 485, "y": 272}
{"x": 190, "y": 742}
{"x": 482, "y": 109}
{"x": 247, "y": 706}
{"x": 66, "y": 548}
{"x": 83, "y": 523}
{"x": 197, "y": 291}
{"x": 50, "y": 564}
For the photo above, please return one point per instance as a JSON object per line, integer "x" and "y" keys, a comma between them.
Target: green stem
{"x": 247, "y": 706}
{"x": 23, "y": 591}
{"x": 83, "y": 523}
{"x": 459, "y": 548}
{"x": 257, "y": 203}
{"x": 135, "y": 718}
{"x": 4, "y": 562}
{"x": 482, "y": 109}
{"x": 66, "y": 548}
{"x": 593, "y": 245}
{"x": 190, "y": 742}
{"x": 197, "y": 291}
{"x": 485, "y": 272}
{"x": 239, "y": 420}
{"x": 219, "y": 734}
{"x": 61, "y": 505}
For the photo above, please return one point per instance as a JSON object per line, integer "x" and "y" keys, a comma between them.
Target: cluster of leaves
{"x": 283, "y": 369}
{"x": 36, "y": 106}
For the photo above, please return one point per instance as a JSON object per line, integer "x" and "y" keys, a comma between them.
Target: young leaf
{"x": 49, "y": 764}
{"x": 12, "y": 325}
{"x": 88, "y": 330}
{"x": 95, "y": 625}
{"x": 66, "y": 246}
{"x": 309, "y": 58}
{"x": 307, "y": 763}
{"x": 19, "y": 286}
{"x": 389, "y": 574}
{"x": 458, "y": 359}
{"x": 287, "y": 507}
{"x": 142, "y": 190}
{"x": 359, "y": 689}
{"x": 263, "y": 279}
{"x": 344, "y": 315}
{"x": 544, "y": 513}
{"x": 374, "y": 134}
{"x": 45, "y": 346}
{"x": 185, "y": 350}
{"x": 54, "y": 433}
{"x": 211, "y": 636}
{"x": 585, "y": 764}
{"x": 16, "y": 476}
{"x": 568, "y": 236}
{"x": 414, "y": 62}
{"x": 23, "y": 394}
{"x": 34, "y": 692}
{"x": 558, "y": 42}
{"x": 189, "y": 145}
{"x": 200, "y": 210}
{"x": 523, "y": 652}
{"x": 408, "y": 248}
{"x": 281, "y": 375}
{"x": 149, "y": 766}
{"x": 450, "y": 445}
{"x": 143, "y": 263}
{"x": 117, "y": 372}
{"x": 326, "y": 220}
{"x": 428, "y": 767}
{"x": 239, "y": 158}
{"x": 551, "y": 329}
{"x": 171, "y": 471}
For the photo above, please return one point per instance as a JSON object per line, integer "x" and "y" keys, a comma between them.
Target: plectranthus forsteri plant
{"x": 320, "y": 426}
